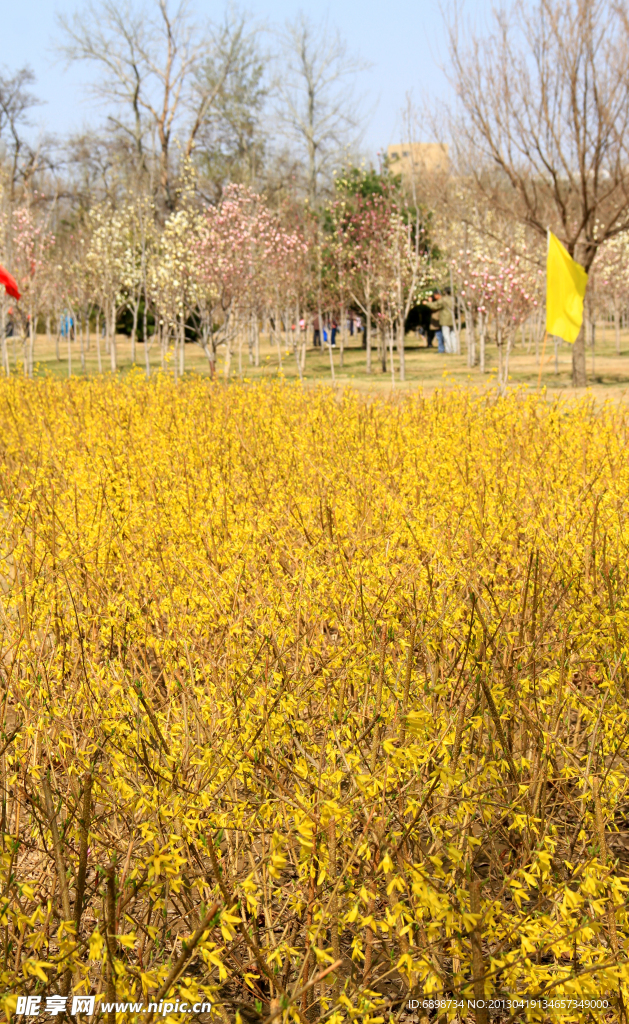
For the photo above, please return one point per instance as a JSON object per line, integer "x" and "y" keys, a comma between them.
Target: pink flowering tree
{"x": 32, "y": 245}
{"x": 611, "y": 280}
{"x": 361, "y": 227}
{"x": 280, "y": 268}
{"x": 224, "y": 260}
{"x": 499, "y": 292}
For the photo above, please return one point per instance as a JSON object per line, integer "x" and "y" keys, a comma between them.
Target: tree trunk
{"x": 212, "y": 354}
{"x": 500, "y": 358}
{"x": 506, "y": 367}
{"x": 400, "y": 348}
{"x": 579, "y": 371}
{"x": 593, "y": 343}
{"x": 278, "y": 342}
{"x": 470, "y": 336}
{"x": 368, "y": 336}
{"x": 456, "y": 314}
{"x": 112, "y": 340}
{"x": 297, "y": 347}
{"x": 147, "y": 361}
{"x": 228, "y": 349}
{"x": 289, "y": 336}
{"x": 82, "y": 344}
{"x": 31, "y": 344}
{"x": 617, "y": 330}
{"x": 98, "y": 338}
{"x": 136, "y": 306}
{"x": 330, "y": 353}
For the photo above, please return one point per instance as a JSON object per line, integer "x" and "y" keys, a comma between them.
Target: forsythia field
{"x": 313, "y": 703}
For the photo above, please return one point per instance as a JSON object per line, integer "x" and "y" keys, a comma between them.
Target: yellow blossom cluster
{"x": 313, "y": 704}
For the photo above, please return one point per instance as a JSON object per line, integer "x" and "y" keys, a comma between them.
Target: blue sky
{"x": 404, "y": 41}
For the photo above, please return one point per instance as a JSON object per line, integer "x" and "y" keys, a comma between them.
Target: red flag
{"x": 10, "y": 284}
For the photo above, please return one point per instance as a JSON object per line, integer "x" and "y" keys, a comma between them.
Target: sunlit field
{"x": 608, "y": 370}
{"x": 314, "y": 703}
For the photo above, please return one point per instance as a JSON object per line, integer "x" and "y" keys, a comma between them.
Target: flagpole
{"x": 541, "y": 362}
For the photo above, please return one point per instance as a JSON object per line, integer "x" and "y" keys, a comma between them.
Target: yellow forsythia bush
{"x": 313, "y": 704}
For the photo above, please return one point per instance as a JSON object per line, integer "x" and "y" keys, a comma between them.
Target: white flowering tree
{"x": 105, "y": 259}
{"x": 174, "y": 284}
{"x": 611, "y": 280}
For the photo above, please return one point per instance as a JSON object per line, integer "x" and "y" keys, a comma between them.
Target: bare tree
{"x": 316, "y": 106}
{"x": 150, "y": 68}
{"x": 97, "y": 167}
{"x": 544, "y": 118}
{"x": 16, "y": 102}
{"x": 231, "y": 143}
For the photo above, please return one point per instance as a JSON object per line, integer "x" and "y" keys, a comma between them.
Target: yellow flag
{"x": 565, "y": 289}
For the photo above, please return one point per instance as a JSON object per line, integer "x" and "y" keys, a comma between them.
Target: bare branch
{"x": 316, "y": 107}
